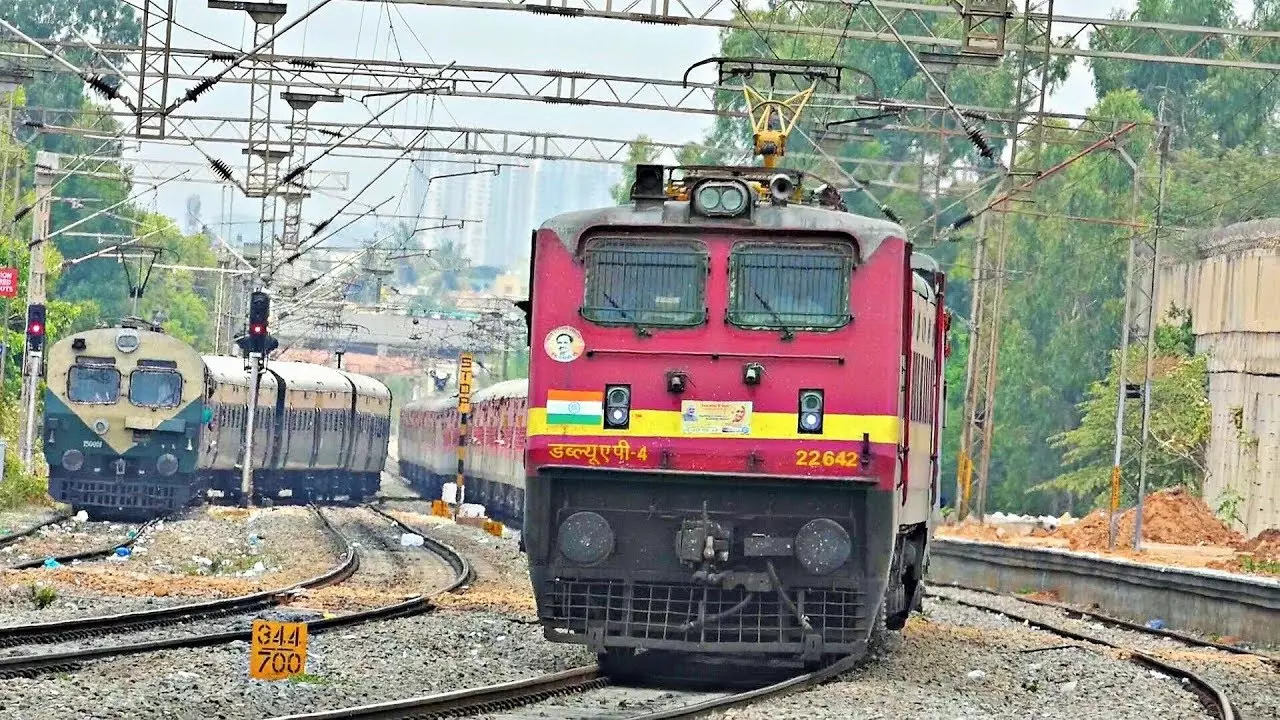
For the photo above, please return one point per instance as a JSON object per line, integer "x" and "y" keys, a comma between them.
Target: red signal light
{"x": 257, "y": 329}
{"x": 35, "y": 329}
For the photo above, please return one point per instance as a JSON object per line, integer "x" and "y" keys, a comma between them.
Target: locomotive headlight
{"x": 720, "y": 198}
{"x": 822, "y": 546}
{"x": 709, "y": 198}
{"x": 810, "y": 412}
{"x": 585, "y": 538}
{"x": 73, "y": 460}
{"x": 167, "y": 464}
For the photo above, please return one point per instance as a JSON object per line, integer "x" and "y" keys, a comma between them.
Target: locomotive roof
{"x": 367, "y": 387}
{"x": 230, "y": 370}
{"x": 308, "y": 377}
{"x": 870, "y": 232}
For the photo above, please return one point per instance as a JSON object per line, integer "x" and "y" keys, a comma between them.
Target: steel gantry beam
{"x": 149, "y": 170}
{"x": 1112, "y": 38}
{"x": 354, "y": 76}
{"x": 386, "y": 140}
{"x": 153, "y": 67}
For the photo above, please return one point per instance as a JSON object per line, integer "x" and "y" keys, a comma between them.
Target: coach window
{"x": 790, "y": 287}
{"x": 155, "y": 388}
{"x": 93, "y": 385}
{"x": 645, "y": 283}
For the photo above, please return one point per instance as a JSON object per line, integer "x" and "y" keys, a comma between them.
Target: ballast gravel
{"x": 370, "y": 663}
{"x": 1249, "y": 682}
{"x": 958, "y": 663}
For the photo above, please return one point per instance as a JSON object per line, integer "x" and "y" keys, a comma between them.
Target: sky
{"x": 473, "y": 37}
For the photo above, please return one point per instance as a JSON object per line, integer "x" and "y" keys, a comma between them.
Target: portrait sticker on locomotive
{"x": 700, "y": 417}
{"x": 564, "y": 344}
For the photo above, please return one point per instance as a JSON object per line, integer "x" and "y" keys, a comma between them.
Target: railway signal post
{"x": 46, "y": 165}
{"x": 256, "y": 345}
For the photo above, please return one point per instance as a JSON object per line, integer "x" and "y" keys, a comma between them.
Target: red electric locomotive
{"x": 733, "y": 424}
{"x": 733, "y": 419}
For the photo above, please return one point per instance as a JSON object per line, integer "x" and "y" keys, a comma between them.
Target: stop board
{"x": 278, "y": 650}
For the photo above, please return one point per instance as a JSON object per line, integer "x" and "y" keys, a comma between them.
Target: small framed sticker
{"x": 564, "y": 344}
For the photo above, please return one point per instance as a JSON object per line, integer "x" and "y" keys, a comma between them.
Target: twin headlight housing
{"x": 721, "y": 198}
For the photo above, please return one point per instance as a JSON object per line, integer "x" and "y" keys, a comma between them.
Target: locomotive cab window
{"x": 790, "y": 287}
{"x": 155, "y": 388}
{"x": 93, "y": 385}
{"x": 646, "y": 283}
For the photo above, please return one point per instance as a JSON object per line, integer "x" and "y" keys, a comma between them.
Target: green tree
{"x": 1179, "y": 428}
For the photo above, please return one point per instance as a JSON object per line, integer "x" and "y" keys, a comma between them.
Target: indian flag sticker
{"x": 575, "y": 407}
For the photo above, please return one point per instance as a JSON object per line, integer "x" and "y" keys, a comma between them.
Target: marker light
{"x": 617, "y": 407}
{"x": 810, "y": 412}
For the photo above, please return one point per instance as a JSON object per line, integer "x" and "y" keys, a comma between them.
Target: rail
{"x": 78, "y": 628}
{"x": 1209, "y": 601}
{"x": 31, "y": 665}
{"x": 90, "y": 554}
{"x": 12, "y": 538}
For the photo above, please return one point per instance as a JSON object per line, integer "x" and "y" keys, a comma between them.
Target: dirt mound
{"x": 971, "y": 530}
{"x": 1265, "y": 546}
{"x": 1171, "y": 516}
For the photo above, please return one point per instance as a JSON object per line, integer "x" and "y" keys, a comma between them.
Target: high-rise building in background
{"x": 511, "y": 203}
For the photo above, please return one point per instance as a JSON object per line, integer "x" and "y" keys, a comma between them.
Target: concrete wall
{"x": 1232, "y": 287}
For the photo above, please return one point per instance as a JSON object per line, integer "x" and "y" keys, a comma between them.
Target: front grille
{"x": 663, "y": 612}
{"x": 115, "y": 493}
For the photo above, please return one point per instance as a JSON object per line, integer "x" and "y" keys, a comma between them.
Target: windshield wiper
{"x": 640, "y": 329}
{"x": 787, "y": 334}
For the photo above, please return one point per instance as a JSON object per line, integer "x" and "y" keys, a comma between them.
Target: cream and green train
{"x": 138, "y": 423}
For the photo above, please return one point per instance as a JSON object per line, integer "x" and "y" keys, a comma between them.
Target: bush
{"x": 42, "y": 596}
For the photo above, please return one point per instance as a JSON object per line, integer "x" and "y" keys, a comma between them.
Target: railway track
{"x": 93, "y": 554}
{"x": 82, "y": 628}
{"x": 589, "y": 692}
{"x": 1213, "y": 699}
{"x": 12, "y": 538}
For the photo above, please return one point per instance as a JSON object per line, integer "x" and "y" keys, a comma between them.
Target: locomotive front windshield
{"x": 795, "y": 286}
{"x": 645, "y": 283}
{"x": 155, "y": 388}
{"x": 87, "y": 384}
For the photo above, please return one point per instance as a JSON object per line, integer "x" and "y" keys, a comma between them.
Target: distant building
{"x": 511, "y": 203}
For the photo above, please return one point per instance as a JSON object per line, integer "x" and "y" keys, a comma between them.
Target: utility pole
{"x": 1165, "y": 138}
{"x": 46, "y": 165}
{"x": 1138, "y": 322}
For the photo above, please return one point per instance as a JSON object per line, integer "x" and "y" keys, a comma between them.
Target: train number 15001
{"x": 830, "y": 458}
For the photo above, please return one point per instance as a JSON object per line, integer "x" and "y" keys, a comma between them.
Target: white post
{"x": 246, "y": 470}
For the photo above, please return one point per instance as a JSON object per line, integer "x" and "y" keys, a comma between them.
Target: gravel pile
{"x": 1252, "y": 685}
{"x": 65, "y": 538}
{"x": 963, "y": 663}
{"x": 371, "y": 663}
{"x": 210, "y": 553}
{"x": 21, "y": 598}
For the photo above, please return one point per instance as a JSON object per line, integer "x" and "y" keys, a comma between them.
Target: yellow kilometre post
{"x": 464, "y": 415}
{"x": 278, "y": 650}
